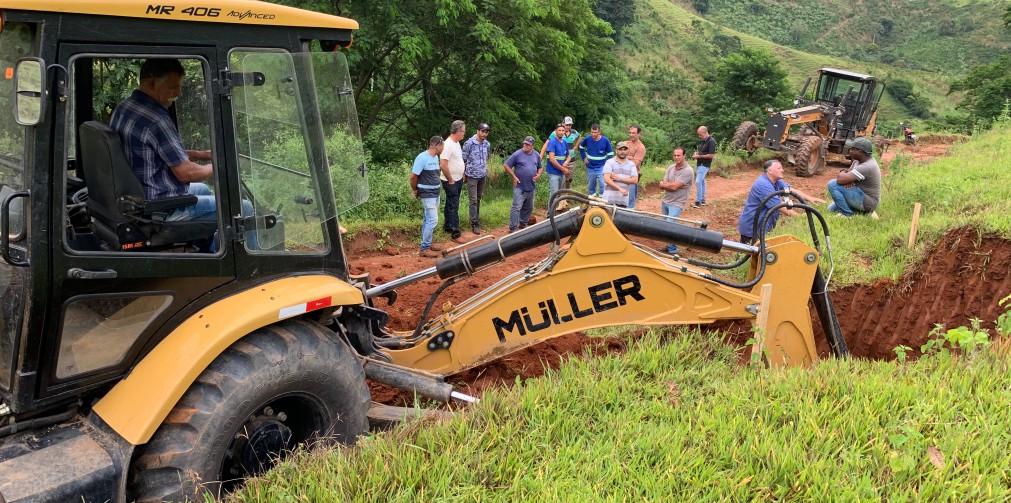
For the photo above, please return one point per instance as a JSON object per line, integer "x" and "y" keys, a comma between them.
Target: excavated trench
{"x": 963, "y": 276}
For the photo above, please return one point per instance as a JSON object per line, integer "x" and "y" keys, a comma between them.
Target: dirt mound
{"x": 964, "y": 276}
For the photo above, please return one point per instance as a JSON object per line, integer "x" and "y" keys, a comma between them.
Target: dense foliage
{"x": 902, "y": 90}
{"x": 987, "y": 89}
{"x": 743, "y": 85}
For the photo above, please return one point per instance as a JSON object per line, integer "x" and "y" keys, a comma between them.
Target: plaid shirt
{"x": 151, "y": 143}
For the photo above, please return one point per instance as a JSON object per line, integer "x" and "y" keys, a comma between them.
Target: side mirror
{"x": 29, "y": 96}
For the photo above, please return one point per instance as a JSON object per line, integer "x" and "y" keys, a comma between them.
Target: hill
{"x": 946, "y": 35}
{"x": 670, "y": 48}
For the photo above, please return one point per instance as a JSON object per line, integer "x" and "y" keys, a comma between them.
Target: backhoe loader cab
{"x": 842, "y": 105}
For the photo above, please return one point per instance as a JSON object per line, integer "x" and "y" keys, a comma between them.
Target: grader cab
{"x": 844, "y": 105}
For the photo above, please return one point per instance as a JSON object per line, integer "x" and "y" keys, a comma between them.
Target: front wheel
{"x": 283, "y": 386}
{"x": 808, "y": 160}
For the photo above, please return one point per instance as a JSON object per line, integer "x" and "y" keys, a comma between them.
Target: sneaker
{"x": 436, "y": 248}
{"x": 476, "y": 229}
{"x": 841, "y": 215}
{"x": 459, "y": 240}
{"x": 429, "y": 253}
{"x": 703, "y": 203}
{"x": 523, "y": 226}
{"x": 697, "y": 204}
{"x": 873, "y": 215}
{"x": 512, "y": 231}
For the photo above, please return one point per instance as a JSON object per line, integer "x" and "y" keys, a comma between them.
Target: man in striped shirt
{"x": 425, "y": 185}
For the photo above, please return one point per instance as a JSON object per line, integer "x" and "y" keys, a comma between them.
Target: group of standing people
{"x": 612, "y": 174}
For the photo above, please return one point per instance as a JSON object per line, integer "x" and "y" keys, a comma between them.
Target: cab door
{"x": 109, "y": 306}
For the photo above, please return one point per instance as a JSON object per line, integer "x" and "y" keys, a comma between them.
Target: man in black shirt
{"x": 704, "y": 155}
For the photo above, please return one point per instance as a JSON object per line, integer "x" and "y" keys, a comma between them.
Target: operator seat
{"x": 124, "y": 218}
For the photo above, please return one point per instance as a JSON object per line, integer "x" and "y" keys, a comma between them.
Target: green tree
{"x": 518, "y": 64}
{"x": 743, "y": 85}
{"x": 619, "y": 13}
{"x": 987, "y": 88}
{"x": 902, "y": 90}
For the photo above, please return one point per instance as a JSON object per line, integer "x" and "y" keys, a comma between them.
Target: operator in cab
{"x": 153, "y": 146}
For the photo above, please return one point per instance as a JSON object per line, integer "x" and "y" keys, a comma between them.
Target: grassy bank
{"x": 676, "y": 419}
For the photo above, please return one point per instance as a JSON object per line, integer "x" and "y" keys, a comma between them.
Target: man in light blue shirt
{"x": 595, "y": 150}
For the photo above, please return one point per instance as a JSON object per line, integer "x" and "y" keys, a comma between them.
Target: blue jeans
{"x": 633, "y": 192}
{"x": 554, "y": 183}
{"x": 429, "y": 220}
{"x": 451, "y": 213}
{"x": 671, "y": 211}
{"x": 206, "y": 210}
{"x": 595, "y": 181}
{"x": 845, "y": 200}
{"x": 523, "y": 206}
{"x": 700, "y": 183}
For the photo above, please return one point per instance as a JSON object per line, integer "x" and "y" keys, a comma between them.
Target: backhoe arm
{"x": 602, "y": 279}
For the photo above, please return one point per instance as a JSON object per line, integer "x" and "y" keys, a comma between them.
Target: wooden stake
{"x": 915, "y": 225}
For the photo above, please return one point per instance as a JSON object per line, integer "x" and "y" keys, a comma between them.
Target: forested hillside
{"x": 947, "y": 35}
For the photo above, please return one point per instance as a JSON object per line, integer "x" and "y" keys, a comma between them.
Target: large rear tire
{"x": 746, "y": 137}
{"x": 809, "y": 160}
{"x": 283, "y": 386}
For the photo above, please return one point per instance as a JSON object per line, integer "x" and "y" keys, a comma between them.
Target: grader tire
{"x": 282, "y": 386}
{"x": 746, "y": 137}
{"x": 808, "y": 160}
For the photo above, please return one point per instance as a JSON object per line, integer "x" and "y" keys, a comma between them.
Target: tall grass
{"x": 676, "y": 419}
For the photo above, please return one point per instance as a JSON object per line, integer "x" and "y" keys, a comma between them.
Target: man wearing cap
{"x": 571, "y": 137}
{"x": 676, "y": 184}
{"x": 524, "y": 166}
{"x": 452, "y": 159}
{"x": 767, "y": 183}
{"x": 425, "y": 186}
{"x": 857, "y": 189}
{"x": 595, "y": 150}
{"x": 619, "y": 175}
{"x": 475, "y": 159}
{"x": 557, "y": 160}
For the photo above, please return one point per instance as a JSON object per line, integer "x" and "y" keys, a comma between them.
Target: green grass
{"x": 965, "y": 188}
{"x": 676, "y": 419}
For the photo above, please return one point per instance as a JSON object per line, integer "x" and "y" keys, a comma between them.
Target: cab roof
{"x": 245, "y": 12}
{"x": 844, "y": 73}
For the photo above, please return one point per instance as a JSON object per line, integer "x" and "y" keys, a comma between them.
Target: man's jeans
{"x": 429, "y": 221}
{"x": 206, "y": 210}
{"x": 700, "y": 183}
{"x": 451, "y": 213}
{"x": 554, "y": 183}
{"x": 633, "y": 193}
{"x": 523, "y": 206}
{"x": 475, "y": 189}
{"x": 595, "y": 181}
{"x": 845, "y": 200}
{"x": 671, "y": 211}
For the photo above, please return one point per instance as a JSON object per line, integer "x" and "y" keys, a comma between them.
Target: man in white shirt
{"x": 619, "y": 175}
{"x": 452, "y": 159}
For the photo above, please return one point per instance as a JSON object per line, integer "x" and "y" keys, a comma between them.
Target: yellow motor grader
{"x": 844, "y": 106}
{"x": 144, "y": 359}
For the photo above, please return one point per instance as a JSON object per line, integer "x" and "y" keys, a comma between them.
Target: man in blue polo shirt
{"x": 557, "y": 160}
{"x": 766, "y": 184}
{"x": 595, "y": 150}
